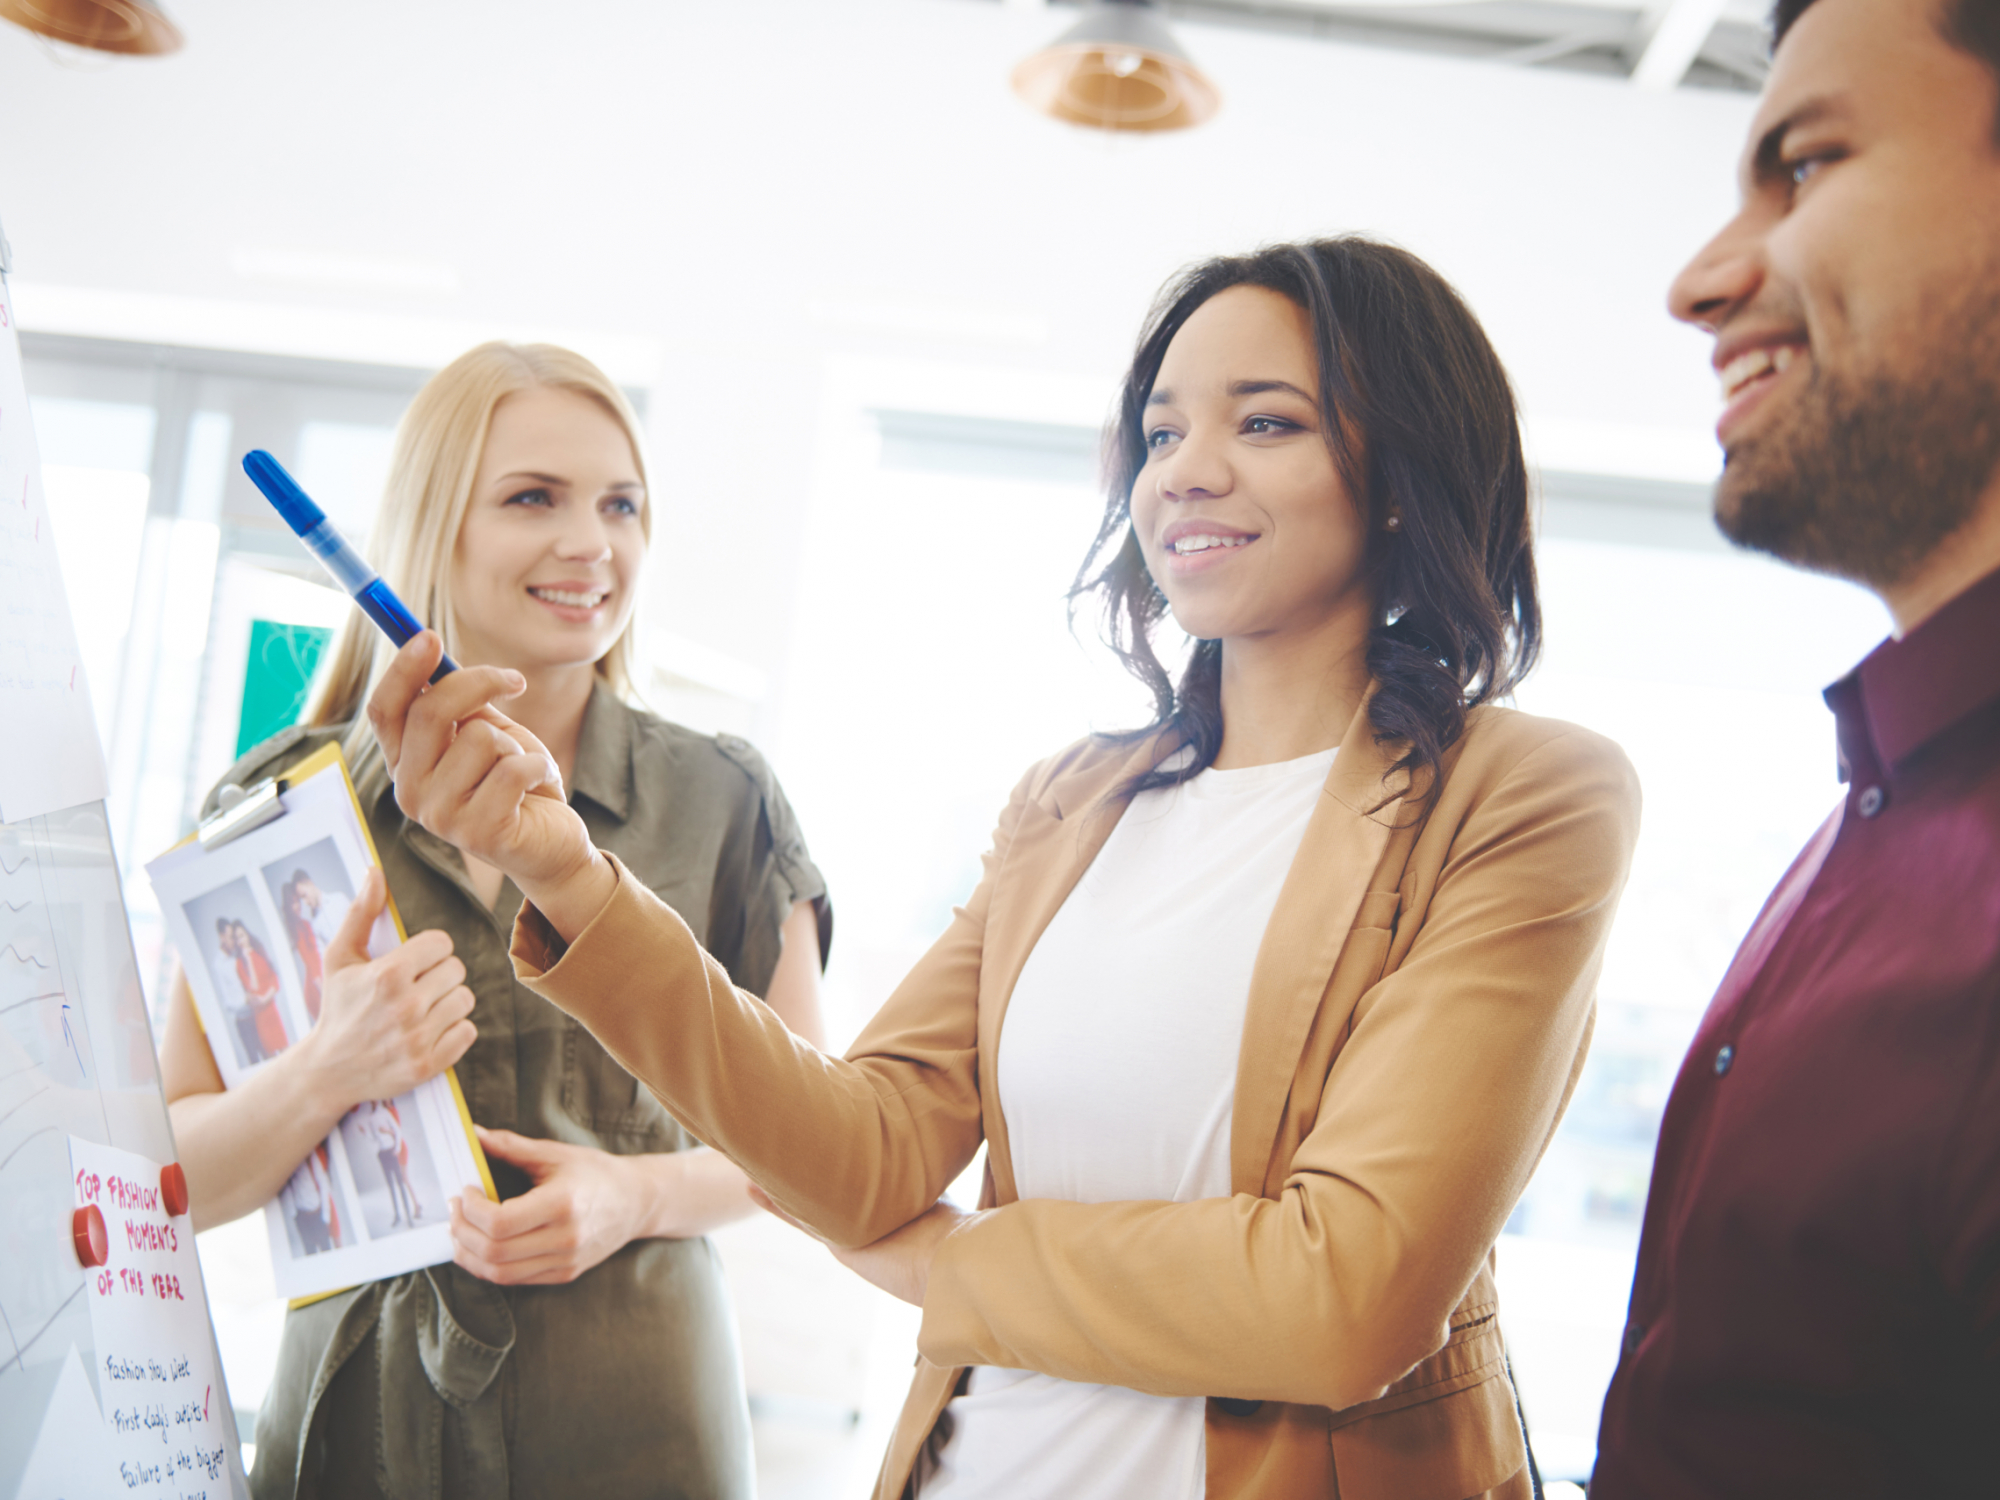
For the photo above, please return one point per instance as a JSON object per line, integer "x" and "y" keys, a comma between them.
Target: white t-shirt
{"x": 228, "y": 984}
{"x": 381, "y": 1128}
{"x": 1117, "y": 1074}
{"x": 326, "y": 921}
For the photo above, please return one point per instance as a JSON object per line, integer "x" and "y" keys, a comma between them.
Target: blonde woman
{"x": 584, "y": 1327}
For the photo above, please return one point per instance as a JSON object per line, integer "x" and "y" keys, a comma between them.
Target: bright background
{"x": 874, "y": 309}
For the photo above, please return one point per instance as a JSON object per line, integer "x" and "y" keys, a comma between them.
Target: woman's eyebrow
{"x": 1262, "y": 387}
{"x": 554, "y": 479}
{"x": 1239, "y": 388}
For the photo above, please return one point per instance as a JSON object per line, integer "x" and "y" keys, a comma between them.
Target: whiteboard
{"x": 76, "y": 1045}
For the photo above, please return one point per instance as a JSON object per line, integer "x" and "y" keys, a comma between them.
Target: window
{"x": 1706, "y": 666}
{"x": 171, "y": 557}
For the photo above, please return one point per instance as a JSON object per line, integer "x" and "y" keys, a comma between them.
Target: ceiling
{"x": 1663, "y": 44}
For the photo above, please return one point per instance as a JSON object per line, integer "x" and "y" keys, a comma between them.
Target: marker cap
{"x": 283, "y": 491}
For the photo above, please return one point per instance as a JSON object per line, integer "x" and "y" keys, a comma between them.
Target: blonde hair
{"x": 439, "y": 444}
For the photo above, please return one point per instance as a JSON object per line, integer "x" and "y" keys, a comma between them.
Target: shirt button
{"x": 1634, "y": 1333}
{"x": 1870, "y": 801}
{"x": 1725, "y": 1058}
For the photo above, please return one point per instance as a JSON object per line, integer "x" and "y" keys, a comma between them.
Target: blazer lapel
{"x": 1343, "y": 844}
{"x": 1058, "y": 836}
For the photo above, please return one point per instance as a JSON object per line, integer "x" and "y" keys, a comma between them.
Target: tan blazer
{"x": 1418, "y": 1011}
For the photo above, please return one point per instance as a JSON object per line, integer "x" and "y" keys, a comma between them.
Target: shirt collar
{"x": 1905, "y": 693}
{"x": 603, "y": 769}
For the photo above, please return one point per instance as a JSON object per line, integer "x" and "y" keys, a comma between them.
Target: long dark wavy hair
{"x": 1421, "y": 421}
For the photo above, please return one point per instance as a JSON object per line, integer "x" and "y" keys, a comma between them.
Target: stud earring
{"x": 1394, "y": 523}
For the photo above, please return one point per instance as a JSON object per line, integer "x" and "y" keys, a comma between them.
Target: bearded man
{"x": 1816, "y": 1309}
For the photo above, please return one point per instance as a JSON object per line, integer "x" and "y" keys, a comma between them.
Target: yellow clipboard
{"x": 263, "y": 804}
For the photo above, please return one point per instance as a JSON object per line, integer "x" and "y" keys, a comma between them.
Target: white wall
{"x": 696, "y": 179}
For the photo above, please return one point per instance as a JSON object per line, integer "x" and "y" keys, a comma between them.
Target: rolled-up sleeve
{"x": 852, "y": 1147}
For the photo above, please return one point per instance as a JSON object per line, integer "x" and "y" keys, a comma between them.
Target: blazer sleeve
{"x": 854, "y": 1147}
{"x": 1432, "y": 1118}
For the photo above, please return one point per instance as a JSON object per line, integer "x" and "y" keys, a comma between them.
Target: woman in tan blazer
{"x": 1317, "y": 469}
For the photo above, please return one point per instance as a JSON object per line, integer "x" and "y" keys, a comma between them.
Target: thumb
{"x": 350, "y": 944}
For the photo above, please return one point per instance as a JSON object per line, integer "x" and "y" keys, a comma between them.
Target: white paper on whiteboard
{"x": 50, "y": 757}
{"x": 165, "y": 1428}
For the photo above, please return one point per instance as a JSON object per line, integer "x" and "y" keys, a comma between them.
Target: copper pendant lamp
{"x": 1118, "y": 68}
{"x": 128, "y": 26}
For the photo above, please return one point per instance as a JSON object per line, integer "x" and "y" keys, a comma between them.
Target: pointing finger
{"x": 350, "y": 943}
{"x": 389, "y": 704}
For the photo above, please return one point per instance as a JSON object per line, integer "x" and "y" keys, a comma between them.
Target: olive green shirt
{"x": 624, "y": 1382}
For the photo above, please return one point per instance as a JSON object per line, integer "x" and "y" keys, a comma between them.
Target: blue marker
{"x": 349, "y": 569}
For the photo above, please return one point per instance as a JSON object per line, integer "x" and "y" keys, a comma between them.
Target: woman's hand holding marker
{"x": 474, "y": 777}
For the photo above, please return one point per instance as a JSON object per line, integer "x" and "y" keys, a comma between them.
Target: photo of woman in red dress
{"x": 253, "y": 966}
{"x": 260, "y": 987}
{"x": 305, "y": 943}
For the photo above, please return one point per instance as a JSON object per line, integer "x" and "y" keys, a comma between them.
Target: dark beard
{"x": 1869, "y": 475}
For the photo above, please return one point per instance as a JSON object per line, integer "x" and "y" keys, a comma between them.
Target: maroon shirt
{"x": 1816, "y": 1310}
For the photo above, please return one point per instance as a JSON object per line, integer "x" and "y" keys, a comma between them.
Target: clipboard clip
{"x": 243, "y": 809}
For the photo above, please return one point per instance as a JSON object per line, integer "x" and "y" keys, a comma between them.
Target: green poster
{"x": 280, "y": 669}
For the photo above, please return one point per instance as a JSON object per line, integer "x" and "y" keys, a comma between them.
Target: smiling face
{"x": 1855, "y": 298}
{"x": 546, "y": 568}
{"x": 1240, "y": 511}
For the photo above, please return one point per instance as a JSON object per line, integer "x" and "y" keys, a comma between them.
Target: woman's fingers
{"x": 442, "y": 728}
{"x": 441, "y": 1003}
{"x": 519, "y": 733}
{"x": 549, "y": 1242}
{"x": 416, "y": 723}
{"x": 432, "y": 971}
{"x": 390, "y": 1023}
{"x": 534, "y": 1209}
{"x": 449, "y": 1010}
{"x": 502, "y": 1261}
{"x": 422, "y": 966}
{"x": 475, "y": 792}
{"x": 494, "y": 806}
{"x": 475, "y": 749}
{"x": 453, "y": 1043}
{"x": 350, "y": 943}
{"x": 522, "y": 1150}
{"x": 443, "y": 999}
{"x": 389, "y": 704}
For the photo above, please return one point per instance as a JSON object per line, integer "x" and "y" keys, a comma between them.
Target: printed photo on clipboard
{"x": 252, "y": 912}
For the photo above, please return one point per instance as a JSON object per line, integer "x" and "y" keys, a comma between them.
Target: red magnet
{"x": 86, "y": 1232}
{"x": 173, "y": 1189}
